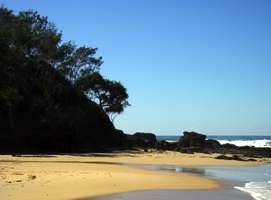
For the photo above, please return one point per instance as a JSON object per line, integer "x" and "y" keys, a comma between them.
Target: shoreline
{"x": 221, "y": 194}
{"x": 88, "y": 176}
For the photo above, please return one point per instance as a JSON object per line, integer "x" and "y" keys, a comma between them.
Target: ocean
{"x": 238, "y": 140}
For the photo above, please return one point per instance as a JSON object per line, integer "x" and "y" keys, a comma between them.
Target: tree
{"x": 41, "y": 109}
{"x": 112, "y": 96}
{"x": 79, "y": 61}
{"x": 30, "y": 36}
{"x": 29, "y": 39}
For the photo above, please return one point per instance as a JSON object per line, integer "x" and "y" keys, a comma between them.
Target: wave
{"x": 255, "y": 143}
{"x": 258, "y": 190}
{"x": 171, "y": 141}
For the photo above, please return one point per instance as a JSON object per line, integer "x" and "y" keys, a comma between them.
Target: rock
{"x": 212, "y": 144}
{"x": 145, "y": 139}
{"x": 229, "y": 146}
{"x": 252, "y": 160}
{"x": 188, "y": 150}
{"x": 164, "y": 145}
{"x": 192, "y": 140}
{"x": 233, "y": 157}
{"x": 224, "y": 157}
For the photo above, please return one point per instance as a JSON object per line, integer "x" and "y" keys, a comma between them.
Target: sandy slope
{"x": 70, "y": 177}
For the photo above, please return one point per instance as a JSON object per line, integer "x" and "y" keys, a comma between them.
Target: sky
{"x": 187, "y": 64}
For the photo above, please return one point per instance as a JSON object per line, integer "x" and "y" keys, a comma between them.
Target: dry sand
{"x": 78, "y": 176}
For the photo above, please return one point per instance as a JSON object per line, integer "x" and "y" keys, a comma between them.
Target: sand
{"x": 78, "y": 176}
{"x": 225, "y": 194}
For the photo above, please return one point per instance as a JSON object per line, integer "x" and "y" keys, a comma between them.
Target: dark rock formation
{"x": 212, "y": 144}
{"x": 192, "y": 140}
{"x": 196, "y": 142}
{"x": 164, "y": 145}
{"x": 233, "y": 157}
{"x": 246, "y": 151}
{"x": 145, "y": 140}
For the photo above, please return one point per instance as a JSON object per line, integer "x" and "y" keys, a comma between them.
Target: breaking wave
{"x": 255, "y": 143}
{"x": 258, "y": 190}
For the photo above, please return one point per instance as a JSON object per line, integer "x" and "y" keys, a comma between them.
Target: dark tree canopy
{"x": 110, "y": 95}
{"x": 29, "y": 36}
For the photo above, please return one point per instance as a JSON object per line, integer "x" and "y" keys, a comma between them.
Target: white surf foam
{"x": 171, "y": 141}
{"x": 258, "y": 190}
{"x": 255, "y": 143}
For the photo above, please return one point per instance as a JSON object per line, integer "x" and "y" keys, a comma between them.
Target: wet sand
{"x": 230, "y": 176}
{"x": 227, "y": 194}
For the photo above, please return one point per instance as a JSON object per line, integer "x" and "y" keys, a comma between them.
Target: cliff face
{"x": 41, "y": 112}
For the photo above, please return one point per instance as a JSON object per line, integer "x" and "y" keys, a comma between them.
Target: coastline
{"x": 92, "y": 175}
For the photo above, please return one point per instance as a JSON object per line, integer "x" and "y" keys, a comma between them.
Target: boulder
{"x": 145, "y": 140}
{"x": 192, "y": 140}
{"x": 164, "y": 145}
{"x": 234, "y": 157}
{"x": 212, "y": 144}
{"x": 229, "y": 146}
{"x": 225, "y": 157}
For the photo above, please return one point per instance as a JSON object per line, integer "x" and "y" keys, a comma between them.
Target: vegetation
{"x": 81, "y": 68}
{"x": 109, "y": 95}
{"x": 48, "y": 89}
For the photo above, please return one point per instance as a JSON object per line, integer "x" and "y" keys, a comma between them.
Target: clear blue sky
{"x": 188, "y": 65}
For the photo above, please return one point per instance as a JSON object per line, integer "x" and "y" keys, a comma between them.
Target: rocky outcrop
{"x": 144, "y": 140}
{"x": 212, "y": 144}
{"x": 192, "y": 140}
{"x": 164, "y": 145}
{"x": 234, "y": 157}
{"x": 245, "y": 151}
{"x": 196, "y": 142}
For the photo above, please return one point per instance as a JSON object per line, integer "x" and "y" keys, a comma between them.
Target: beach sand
{"x": 89, "y": 175}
